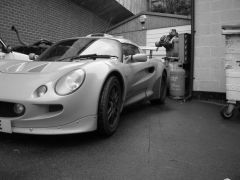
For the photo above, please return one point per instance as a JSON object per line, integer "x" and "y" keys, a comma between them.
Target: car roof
{"x": 106, "y": 36}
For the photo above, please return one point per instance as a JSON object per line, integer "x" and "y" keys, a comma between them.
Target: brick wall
{"x": 49, "y": 19}
{"x": 210, "y": 15}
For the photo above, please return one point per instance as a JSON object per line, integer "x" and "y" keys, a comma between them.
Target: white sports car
{"x": 78, "y": 85}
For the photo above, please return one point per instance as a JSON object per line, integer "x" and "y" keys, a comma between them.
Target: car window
{"x": 102, "y": 47}
{"x": 81, "y": 46}
{"x": 129, "y": 49}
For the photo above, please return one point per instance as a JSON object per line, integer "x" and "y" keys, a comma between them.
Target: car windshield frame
{"x": 81, "y": 47}
{"x": 3, "y": 46}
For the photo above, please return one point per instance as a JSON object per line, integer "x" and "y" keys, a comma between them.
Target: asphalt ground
{"x": 175, "y": 141}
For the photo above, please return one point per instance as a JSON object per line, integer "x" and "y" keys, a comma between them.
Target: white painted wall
{"x": 154, "y": 35}
{"x": 210, "y": 15}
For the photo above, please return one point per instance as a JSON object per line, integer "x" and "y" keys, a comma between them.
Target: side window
{"x": 135, "y": 50}
{"x": 126, "y": 50}
{"x": 129, "y": 49}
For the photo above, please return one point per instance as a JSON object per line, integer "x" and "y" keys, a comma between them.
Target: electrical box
{"x": 184, "y": 48}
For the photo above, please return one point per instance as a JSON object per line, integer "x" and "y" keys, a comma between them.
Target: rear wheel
{"x": 163, "y": 91}
{"x": 109, "y": 107}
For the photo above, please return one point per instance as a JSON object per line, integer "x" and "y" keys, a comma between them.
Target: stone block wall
{"x": 210, "y": 15}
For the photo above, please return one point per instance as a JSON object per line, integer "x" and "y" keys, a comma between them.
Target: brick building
{"x": 54, "y": 20}
{"x": 209, "y": 42}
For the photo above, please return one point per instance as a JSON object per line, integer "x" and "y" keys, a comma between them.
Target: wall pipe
{"x": 193, "y": 31}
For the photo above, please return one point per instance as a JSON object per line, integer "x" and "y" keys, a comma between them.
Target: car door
{"x": 138, "y": 74}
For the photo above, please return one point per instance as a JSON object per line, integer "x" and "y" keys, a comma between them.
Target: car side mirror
{"x": 33, "y": 56}
{"x": 136, "y": 58}
{"x": 139, "y": 58}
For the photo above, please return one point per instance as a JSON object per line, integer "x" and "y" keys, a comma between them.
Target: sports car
{"x": 78, "y": 85}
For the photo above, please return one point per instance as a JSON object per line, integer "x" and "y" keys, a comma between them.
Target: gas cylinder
{"x": 177, "y": 81}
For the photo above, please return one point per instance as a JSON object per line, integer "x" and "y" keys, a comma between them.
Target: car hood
{"x": 24, "y": 77}
{"x": 28, "y": 67}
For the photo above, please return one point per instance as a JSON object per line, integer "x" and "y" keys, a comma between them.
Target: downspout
{"x": 191, "y": 73}
{"x": 149, "y": 2}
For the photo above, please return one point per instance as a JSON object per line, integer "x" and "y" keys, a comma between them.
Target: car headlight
{"x": 40, "y": 91}
{"x": 70, "y": 82}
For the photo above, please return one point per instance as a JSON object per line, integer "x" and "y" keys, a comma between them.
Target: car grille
{"x": 55, "y": 108}
{"x": 7, "y": 110}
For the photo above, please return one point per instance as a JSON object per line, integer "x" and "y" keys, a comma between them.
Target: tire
{"x": 109, "y": 107}
{"x": 225, "y": 114}
{"x": 163, "y": 91}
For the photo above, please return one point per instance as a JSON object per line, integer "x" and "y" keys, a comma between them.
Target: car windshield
{"x": 81, "y": 47}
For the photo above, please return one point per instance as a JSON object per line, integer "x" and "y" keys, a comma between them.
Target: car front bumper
{"x": 75, "y": 113}
{"x": 85, "y": 124}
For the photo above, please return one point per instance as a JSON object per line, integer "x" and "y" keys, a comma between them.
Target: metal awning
{"x": 109, "y": 10}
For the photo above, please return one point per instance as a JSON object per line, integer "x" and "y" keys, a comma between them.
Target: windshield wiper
{"x": 87, "y": 56}
{"x": 92, "y": 56}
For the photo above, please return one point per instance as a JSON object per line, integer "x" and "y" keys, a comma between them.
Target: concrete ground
{"x": 175, "y": 141}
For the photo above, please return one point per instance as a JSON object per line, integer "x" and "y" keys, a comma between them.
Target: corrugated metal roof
{"x": 109, "y": 10}
{"x": 135, "y": 6}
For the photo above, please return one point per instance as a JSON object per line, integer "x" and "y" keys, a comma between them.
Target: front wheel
{"x": 163, "y": 91}
{"x": 109, "y": 107}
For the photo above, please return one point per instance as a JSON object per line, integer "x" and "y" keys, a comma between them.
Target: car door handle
{"x": 151, "y": 69}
